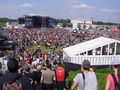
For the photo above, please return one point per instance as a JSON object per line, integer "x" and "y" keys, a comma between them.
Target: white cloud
{"x": 26, "y": 5}
{"x": 85, "y": 6}
{"x": 76, "y": 0}
{"x": 110, "y": 10}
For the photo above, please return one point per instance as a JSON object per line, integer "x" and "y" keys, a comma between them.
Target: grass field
{"x": 43, "y": 48}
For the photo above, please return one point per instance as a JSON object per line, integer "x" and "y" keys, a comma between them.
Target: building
{"x": 82, "y": 24}
{"x": 37, "y": 21}
{"x": 99, "y": 51}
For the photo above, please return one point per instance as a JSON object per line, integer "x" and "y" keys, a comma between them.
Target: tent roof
{"x": 88, "y": 45}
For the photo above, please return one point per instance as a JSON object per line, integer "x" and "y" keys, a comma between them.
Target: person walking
{"x": 113, "y": 79}
{"x": 14, "y": 80}
{"x": 61, "y": 75}
{"x": 85, "y": 80}
{"x": 47, "y": 78}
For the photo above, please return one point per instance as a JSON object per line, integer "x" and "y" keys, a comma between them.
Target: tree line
{"x": 104, "y": 23}
{"x": 107, "y": 23}
{"x": 64, "y": 22}
{"x": 4, "y": 20}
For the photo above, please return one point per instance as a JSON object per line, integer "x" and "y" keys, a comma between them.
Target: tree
{"x": 84, "y": 26}
{"x": 4, "y": 20}
{"x": 104, "y": 23}
{"x": 2, "y": 25}
{"x": 64, "y": 22}
{"x": 69, "y": 24}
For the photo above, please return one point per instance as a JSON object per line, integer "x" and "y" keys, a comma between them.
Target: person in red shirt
{"x": 110, "y": 85}
{"x": 61, "y": 75}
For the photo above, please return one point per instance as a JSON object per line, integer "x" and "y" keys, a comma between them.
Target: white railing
{"x": 94, "y": 60}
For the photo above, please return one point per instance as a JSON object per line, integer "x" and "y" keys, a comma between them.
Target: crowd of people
{"x": 51, "y": 38}
{"x": 47, "y": 77}
{"x": 43, "y": 76}
{"x": 56, "y": 37}
{"x": 34, "y": 70}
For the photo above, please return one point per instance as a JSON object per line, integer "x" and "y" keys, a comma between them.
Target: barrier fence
{"x": 94, "y": 60}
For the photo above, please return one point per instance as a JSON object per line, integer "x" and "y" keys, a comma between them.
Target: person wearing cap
{"x": 85, "y": 80}
{"x": 30, "y": 76}
{"x": 110, "y": 85}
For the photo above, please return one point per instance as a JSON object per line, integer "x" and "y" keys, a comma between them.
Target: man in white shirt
{"x": 85, "y": 80}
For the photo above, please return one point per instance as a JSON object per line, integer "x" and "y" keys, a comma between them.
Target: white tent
{"x": 77, "y": 50}
{"x": 88, "y": 45}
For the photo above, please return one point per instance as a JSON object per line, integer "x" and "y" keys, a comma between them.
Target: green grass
{"x": 43, "y": 48}
{"x": 2, "y": 25}
{"x": 101, "y": 77}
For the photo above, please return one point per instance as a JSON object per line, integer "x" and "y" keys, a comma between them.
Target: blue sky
{"x": 98, "y": 10}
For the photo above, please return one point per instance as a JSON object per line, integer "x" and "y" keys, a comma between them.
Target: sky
{"x": 96, "y": 10}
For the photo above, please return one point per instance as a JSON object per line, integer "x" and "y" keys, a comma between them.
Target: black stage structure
{"x": 36, "y": 21}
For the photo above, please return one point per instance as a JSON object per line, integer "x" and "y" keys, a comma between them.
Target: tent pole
{"x": 101, "y": 50}
{"x": 115, "y": 48}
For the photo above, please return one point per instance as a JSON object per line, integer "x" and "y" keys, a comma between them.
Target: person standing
{"x": 110, "y": 83}
{"x": 47, "y": 78}
{"x": 85, "y": 80}
{"x": 61, "y": 75}
{"x": 13, "y": 79}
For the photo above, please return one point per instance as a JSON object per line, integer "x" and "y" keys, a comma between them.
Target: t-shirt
{"x": 90, "y": 81}
{"x": 60, "y": 74}
{"x": 110, "y": 78}
{"x": 48, "y": 76}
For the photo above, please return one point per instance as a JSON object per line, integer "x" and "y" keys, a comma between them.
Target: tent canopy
{"x": 88, "y": 45}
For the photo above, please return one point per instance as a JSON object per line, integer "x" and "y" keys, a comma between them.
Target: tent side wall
{"x": 95, "y": 60}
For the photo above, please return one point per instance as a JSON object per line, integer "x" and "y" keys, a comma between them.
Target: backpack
{"x": 117, "y": 85}
{"x": 12, "y": 86}
{"x": 60, "y": 74}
